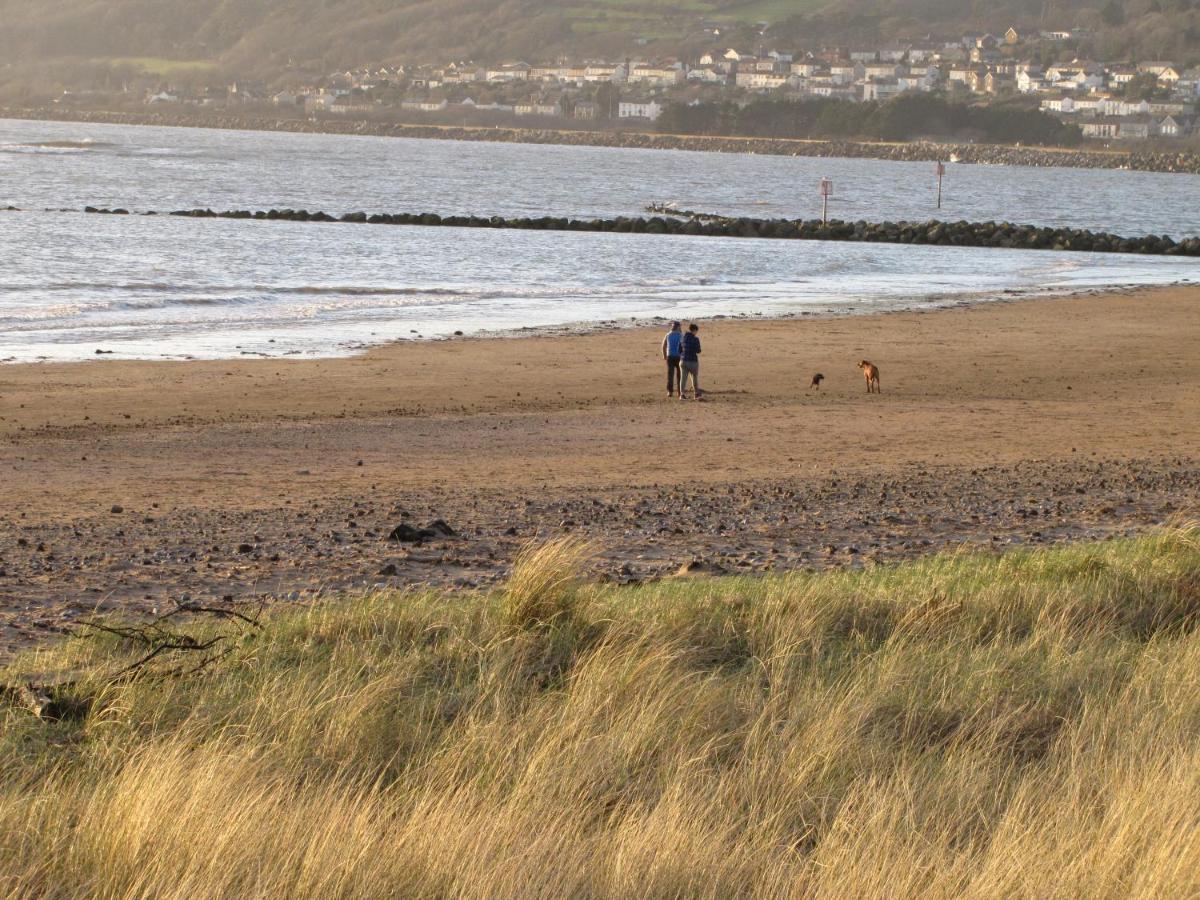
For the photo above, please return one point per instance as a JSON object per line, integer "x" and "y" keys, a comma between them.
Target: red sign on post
{"x": 826, "y": 187}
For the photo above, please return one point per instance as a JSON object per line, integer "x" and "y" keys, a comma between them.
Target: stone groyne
{"x": 918, "y": 151}
{"x": 935, "y": 232}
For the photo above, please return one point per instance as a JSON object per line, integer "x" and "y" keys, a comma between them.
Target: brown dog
{"x": 871, "y": 373}
{"x": 815, "y": 384}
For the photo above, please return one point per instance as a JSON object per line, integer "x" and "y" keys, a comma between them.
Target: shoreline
{"x": 573, "y": 329}
{"x": 1185, "y": 162}
{"x": 132, "y": 484}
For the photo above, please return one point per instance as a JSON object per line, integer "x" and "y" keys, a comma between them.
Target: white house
{"x": 1136, "y": 128}
{"x": 650, "y": 110}
{"x": 880, "y": 70}
{"x": 510, "y": 72}
{"x": 463, "y": 75}
{"x": 599, "y": 72}
{"x": 1189, "y": 83}
{"x": 322, "y": 102}
{"x": 1170, "y": 107}
{"x": 843, "y": 73}
{"x": 427, "y": 105}
{"x": 806, "y": 68}
{"x": 881, "y": 88}
{"x": 960, "y": 74}
{"x": 1100, "y": 128}
{"x": 1059, "y": 103}
{"x": 351, "y": 103}
{"x": 1030, "y": 81}
{"x": 761, "y": 81}
{"x": 1112, "y": 106}
{"x": 707, "y": 74}
{"x": 919, "y": 53}
{"x": 1165, "y": 72}
{"x": 659, "y": 76}
{"x": 918, "y": 78}
{"x": 1172, "y": 127}
{"x": 536, "y": 108}
{"x": 827, "y": 87}
{"x": 1119, "y": 76}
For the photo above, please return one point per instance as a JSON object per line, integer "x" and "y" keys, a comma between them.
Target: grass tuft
{"x": 544, "y": 585}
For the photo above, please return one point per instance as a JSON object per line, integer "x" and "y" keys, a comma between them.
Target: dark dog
{"x": 816, "y": 382}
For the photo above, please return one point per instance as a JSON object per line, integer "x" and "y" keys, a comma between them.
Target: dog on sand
{"x": 871, "y": 374}
{"x": 815, "y": 384}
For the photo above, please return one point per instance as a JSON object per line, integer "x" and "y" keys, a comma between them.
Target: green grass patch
{"x": 768, "y": 10}
{"x": 1025, "y": 724}
{"x": 153, "y": 65}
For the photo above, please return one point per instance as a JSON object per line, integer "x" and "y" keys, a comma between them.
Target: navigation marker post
{"x": 941, "y": 170}
{"x": 826, "y": 193}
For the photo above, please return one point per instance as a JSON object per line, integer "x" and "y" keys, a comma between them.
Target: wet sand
{"x": 128, "y": 485}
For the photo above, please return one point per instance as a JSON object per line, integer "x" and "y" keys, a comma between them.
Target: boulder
{"x": 406, "y": 534}
{"x": 699, "y": 567}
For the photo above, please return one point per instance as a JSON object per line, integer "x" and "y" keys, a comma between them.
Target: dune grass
{"x": 968, "y": 725}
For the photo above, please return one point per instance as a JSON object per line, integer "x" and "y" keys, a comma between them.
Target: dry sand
{"x": 1024, "y": 421}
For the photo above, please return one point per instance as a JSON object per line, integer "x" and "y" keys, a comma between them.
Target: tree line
{"x": 902, "y": 118}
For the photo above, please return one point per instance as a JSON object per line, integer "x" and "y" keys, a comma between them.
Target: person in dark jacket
{"x": 672, "y": 347}
{"x": 689, "y": 363}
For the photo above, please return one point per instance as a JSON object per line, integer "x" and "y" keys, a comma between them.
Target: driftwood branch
{"x": 219, "y": 612}
{"x": 159, "y": 638}
{"x": 191, "y": 644}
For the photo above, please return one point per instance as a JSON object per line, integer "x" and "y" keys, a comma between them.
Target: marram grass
{"x": 1025, "y": 725}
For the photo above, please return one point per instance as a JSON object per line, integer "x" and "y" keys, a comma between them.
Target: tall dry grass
{"x": 1027, "y": 725}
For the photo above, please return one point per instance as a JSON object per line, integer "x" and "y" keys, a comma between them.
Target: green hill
{"x": 271, "y": 37}
{"x": 966, "y": 725}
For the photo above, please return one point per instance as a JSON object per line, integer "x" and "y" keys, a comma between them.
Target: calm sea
{"x": 169, "y": 288}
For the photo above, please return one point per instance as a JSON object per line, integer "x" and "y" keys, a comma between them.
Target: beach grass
{"x": 1025, "y": 724}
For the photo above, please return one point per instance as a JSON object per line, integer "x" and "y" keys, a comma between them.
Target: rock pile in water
{"x": 935, "y": 232}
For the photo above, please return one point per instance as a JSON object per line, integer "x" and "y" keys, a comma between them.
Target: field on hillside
{"x": 652, "y": 18}
{"x": 166, "y": 68}
{"x": 1016, "y": 725}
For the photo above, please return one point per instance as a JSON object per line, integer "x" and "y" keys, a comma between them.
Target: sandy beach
{"x": 128, "y": 485}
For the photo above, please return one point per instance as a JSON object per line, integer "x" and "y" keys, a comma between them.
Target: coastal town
{"x": 1108, "y": 100}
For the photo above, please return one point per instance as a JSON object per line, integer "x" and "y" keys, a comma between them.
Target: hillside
{"x": 271, "y": 37}
{"x": 968, "y": 725}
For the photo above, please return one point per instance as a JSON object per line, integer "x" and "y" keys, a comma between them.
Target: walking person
{"x": 672, "y": 347}
{"x": 689, "y": 363}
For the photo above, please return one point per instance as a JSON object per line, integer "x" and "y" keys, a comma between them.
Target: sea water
{"x": 162, "y": 287}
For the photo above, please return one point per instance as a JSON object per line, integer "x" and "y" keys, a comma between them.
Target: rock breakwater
{"x": 935, "y": 232}
{"x": 918, "y": 151}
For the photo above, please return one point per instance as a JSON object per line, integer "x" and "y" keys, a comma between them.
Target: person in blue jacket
{"x": 672, "y": 347}
{"x": 689, "y": 363}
